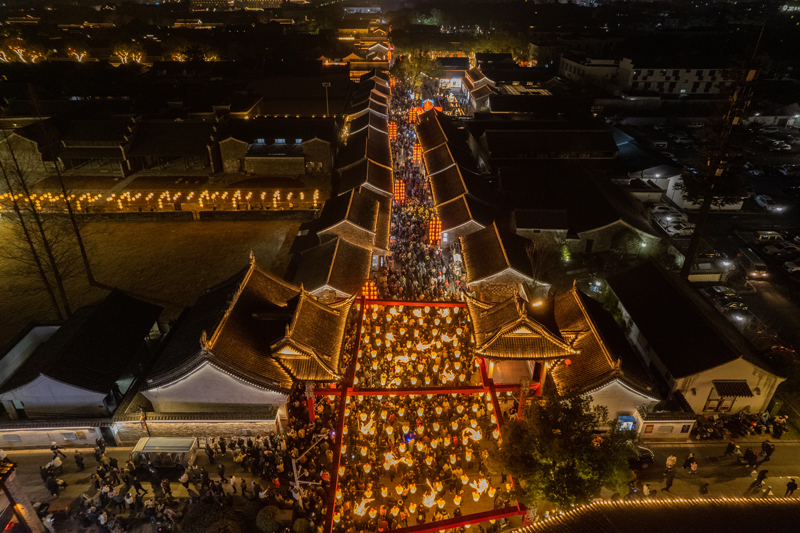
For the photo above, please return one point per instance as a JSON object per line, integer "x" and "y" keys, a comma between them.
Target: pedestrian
{"x": 762, "y": 475}
{"x": 646, "y": 490}
{"x": 52, "y": 486}
{"x": 768, "y": 449}
{"x": 731, "y": 449}
{"x": 130, "y": 500}
{"x": 165, "y": 486}
{"x": 671, "y": 461}
{"x": 56, "y": 449}
{"x": 694, "y": 467}
{"x": 98, "y": 454}
{"x": 704, "y": 490}
{"x": 79, "y": 460}
{"x": 751, "y": 457}
{"x": 221, "y": 471}
{"x": 138, "y": 485}
{"x": 210, "y": 453}
{"x": 670, "y": 479}
{"x": 233, "y": 483}
{"x": 790, "y": 488}
{"x": 689, "y": 460}
{"x": 243, "y": 486}
{"x": 184, "y": 480}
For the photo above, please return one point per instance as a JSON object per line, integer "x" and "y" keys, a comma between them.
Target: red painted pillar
{"x": 311, "y": 414}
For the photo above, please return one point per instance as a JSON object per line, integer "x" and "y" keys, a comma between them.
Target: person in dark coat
{"x": 670, "y": 480}
{"x": 138, "y": 485}
{"x": 52, "y": 486}
{"x": 768, "y": 448}
{"x": 221, "y": 472}
{"x": 79, "y": 460}
{"x": 762, "y": 475}
{"x": 44, "y": 473}
{"x": 790, "y": 488}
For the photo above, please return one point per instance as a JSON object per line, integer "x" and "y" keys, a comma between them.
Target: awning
{"x": 728, "y": 389}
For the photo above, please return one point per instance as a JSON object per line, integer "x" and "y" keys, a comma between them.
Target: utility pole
{"x": 327, "y": 84}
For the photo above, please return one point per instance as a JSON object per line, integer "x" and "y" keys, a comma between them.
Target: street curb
{"x": 717, "y": 443}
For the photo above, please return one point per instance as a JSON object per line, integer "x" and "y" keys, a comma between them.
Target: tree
{"x": 301, "y": 525}
{"x": 414, "y": 64}
{"x": 543, "y": 254}
{"x": 131, "y": 52}
{"x": 203, "y": 517}
{"x": 266, "y": 520}
{"x": 555, "y": 453}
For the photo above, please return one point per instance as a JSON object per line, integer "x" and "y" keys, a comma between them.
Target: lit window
{"x": 298, "y": 141}
{"x": 280, "y": 141}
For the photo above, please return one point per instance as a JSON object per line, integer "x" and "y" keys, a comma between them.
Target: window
{"x": 298, "y": 141}
{"x": 280, "y": 141}
{"x": 12, "y": 438}
{"x": 712, "y": 72}
{"x": 444, "y": 237}
{"x": 660, "y": 85}
{"x": 676, "y": 73}
{"x": 650, "y": 72}
{"x": 69, "y": 436}
{"x": 260, "y": 141}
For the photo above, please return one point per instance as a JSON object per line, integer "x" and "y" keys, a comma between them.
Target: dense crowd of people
{"x": 419, "y": 270}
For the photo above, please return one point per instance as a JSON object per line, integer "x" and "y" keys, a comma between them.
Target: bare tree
{"x": 46, "y": 232}
{"x": 543, "y": 254}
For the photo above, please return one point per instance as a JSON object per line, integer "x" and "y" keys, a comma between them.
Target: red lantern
{"x": 369, "y": 290}
{"x": 399, "y": 192}
{"x": 392, "y": 81}
{"x": 416, "y": 154}
{"x": 435, "y": 230}
{"x": 392, "y": 131}
{"x": 412, "y": 115}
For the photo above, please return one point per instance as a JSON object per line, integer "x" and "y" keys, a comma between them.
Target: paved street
{"x": 725, "y": 476}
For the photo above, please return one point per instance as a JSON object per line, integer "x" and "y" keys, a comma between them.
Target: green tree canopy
{"x": 267, "y": 520}
{"x": 556, "y": 453}
{"x": 411, "y": 66}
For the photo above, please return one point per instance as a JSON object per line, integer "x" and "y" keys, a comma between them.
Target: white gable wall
{"x": 45, "y": 396}
{"x": 620, "y": 400}
{"x": 739, "y": 369}
{"x": 209, "y": 389}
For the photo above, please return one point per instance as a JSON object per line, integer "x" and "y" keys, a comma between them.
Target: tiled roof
{"x": 248, "y": 130}
{"x": 366, "y": 173}
{"x": 337, "y": 263}
{"x": 94, "y": 347}
{"x": 236, "y": 320}
{"x": 384, "y": 216}
{"x": 603, "y": 352}
{"x": 315, "y": 340}
{"x": 353, "y": 207}
{"x": 667, "y": 515}
{"x": 368, "y": 105}
{"x": 686, "y": 333}
{"x": 368, "y": 143}
{"x": 369, "y": 119}
{"x": 462, "y": 210}
{"x": 488, "y": 252}
{"x": 481, "y": 92}
{"x": 732, "y": 388}
{"x": 510, "y": 330}
{"x": 475, "y": 75}
{"x": 171, "y": 139}
{"x": 429, "y": 131}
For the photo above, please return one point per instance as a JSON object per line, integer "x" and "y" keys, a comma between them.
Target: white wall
{"x": 45, "y": 396}
{"x": 620, "y": 400}
{"x": 735, "y": 370}
{"x": 23, "y": 438}
{"x": 210, "y": 390}
{"x": 17, "y": 355}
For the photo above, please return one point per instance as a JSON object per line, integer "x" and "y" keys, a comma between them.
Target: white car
{"x": 682, "y": 140}
{"x": 767, "y": 203}
{"x": 668, "y": 219}
{"x": 755, "y": 172}
{"x": 779, "y": 247}
{"x": 662, "y": 209}
{"x": 679, "y": 229}
{"x": 791, "y": 267}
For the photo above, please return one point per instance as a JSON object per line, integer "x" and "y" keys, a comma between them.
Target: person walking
{"x": 233, "y": 483}
{"x": 138, "y": 485}
{"x": 790, "y": 488}
{"x": 762, "y": 475}
{"x": 768, "y": 449}
{"x": 730, "y": 450}
{"x": 56, "y": 449}
{"x": 210, "y": 453}
{"x": 671, "y": 461}
{"x": 184, "y": 480}
{"x": 79, "y": 460}
{"x": 704, "y": 490}
{"x": 751, "y": 457}
{"x": 166, "y": 487}
{"x": 221, "y": 472}
{"x": 670, "y": 480}
{"x": 689, "y": 460}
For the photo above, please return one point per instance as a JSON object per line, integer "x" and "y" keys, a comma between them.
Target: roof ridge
{"x": 502, "y": 245}
{"x": 231, "y": 304}
{"x": 614, "y": 364}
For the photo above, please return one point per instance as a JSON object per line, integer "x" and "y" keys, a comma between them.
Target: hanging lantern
{"x": 412, "y": 508}
{"x": 429, "y": 460}
{"x": 435, "y": 443}
{"x": 369, "y": 290}
{"x": 364, "y": 451}
{"x": 402, "y": 447}
{"x": 476, "y": 495}
{"x": 368, "y": 493}
{"x": 413, "y": 380}
{"x": 338, "y": 494}
{"x": 392, "y": 81}
{"x": 373, "y": 512}
{"x": 460, "y": 408}
{"x": 420, "y": 430}
{"x": 490, "y": 407}
{"x": 337, "y": 517}
{"x": 457, "y": 499}
{"x": 341, "y": 468}
{"x": 435, "y": 230}
{"x": 344, "y": 430}
{"x": 494, "y": 419}
{"x": 394, "y": 510}
{"x": 462, "y": 377}
{"x": 416, "y": 153}
{"x": 384, "y": 414}
{"x": 384, "y": 491}
{"x": 363, "y": 417}
{"x": 509, "y": 486}
{"x": 392, "y": 131}
{"x": 492, "y": 492}
{"x": 496, "y": 433}
{"x": 420, "y": 446}
{"x": 412, "y": 489}
{"x": 469, "y": 455}
{"x": 464, "y": 479}
{"x": 401, "y": 412}
{"x": 367, "y": 468}
{"x": 427, "y": 380}
{"x": 473, "y": 422}
{"x": 389, "y": 430}
{"x": 438, "y": 486}
{"x": 438, "y": 407}
{"x": 454, "y": 425}
{"x": 399, "y": 192}
{"x": 399, "y": 489}
{"x": 440, "y": 502}
{"x": 436, "y": 426}
{"x": 452, "y": 458}
{"x": 412, "y": 115}
{"x": 420, "y": 411}
{"x": 406, "y": 429}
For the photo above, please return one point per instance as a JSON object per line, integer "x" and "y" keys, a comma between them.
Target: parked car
{"x": 670, "y": 155}
{"x": 779, "y": 247}
{"x": 679, "y": 229}
{"x": 792, "y": 266}
{"x": 663, "y": 209}
{"x": 767, "y": 203}
{"x": 722, "y": 290}
{"x": 641, "y": 458}
{"x": 755, "y": 171}
{"x": 667, "y": 219}
{"x": 682, "y": 140}
{"x": 785, "y": 257}
{"x": 769, "y": 129}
